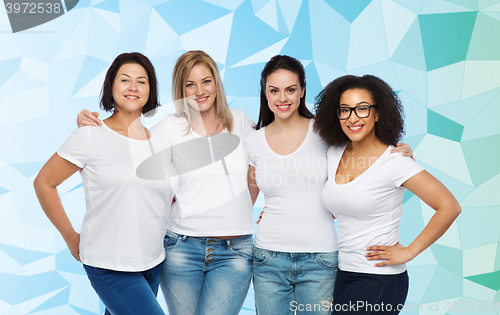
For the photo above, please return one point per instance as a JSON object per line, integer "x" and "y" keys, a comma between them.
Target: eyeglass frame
{"x": 353, "y": 109}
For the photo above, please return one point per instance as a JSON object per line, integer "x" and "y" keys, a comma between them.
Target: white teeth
{"x": 201, "y": 99}
{"x": 283, "y": 106}
{"x": 355, "y": 127}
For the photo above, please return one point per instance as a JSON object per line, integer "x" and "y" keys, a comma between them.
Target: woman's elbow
{"x": 36, "y": 183}
{"x": 39, "y": 183}
{"x": 454, "y": 208}
{"x": 457, "y": 210}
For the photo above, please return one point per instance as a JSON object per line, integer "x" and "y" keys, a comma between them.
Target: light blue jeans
{"x": 288, "y": 282}
{"x": 206, "y": 275}
{"x": 127, "y": 292}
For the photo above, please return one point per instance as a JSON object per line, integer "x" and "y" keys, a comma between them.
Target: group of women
{"x": 199, "y": 250}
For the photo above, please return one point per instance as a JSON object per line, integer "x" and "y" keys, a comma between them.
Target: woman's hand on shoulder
{"x": 403, "y": 148}
{"x": 87, "y": 118}
{"x": 392, "y": 255}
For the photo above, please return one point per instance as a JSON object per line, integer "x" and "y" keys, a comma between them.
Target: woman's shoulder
{"x": 336, "y": 150}
{"x": 174, "y": 118}
{"x": 237, "y": 113}
{"x": 255, "y": 135}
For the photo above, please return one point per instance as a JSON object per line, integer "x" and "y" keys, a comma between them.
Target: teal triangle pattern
{"x": 450, "y": 258}
{"x": 471, "y": 220}
{"x": 490, "y": 280}
{"x": 410, "y": 51}
{"x": 484, "y": 43}
{"x": 443, "y": 127}
{"x": 349, "y": 9}
{"x": 445, "y": 285}
{"x": 446, "y": 37}
{"x": 482, "y": 167}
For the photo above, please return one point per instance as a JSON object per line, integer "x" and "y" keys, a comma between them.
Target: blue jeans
{"x": 367, "y": 293}
{"x": 206, "y": 275}
{"x": 127, "y": 292}
{"x": 288, "y": 282}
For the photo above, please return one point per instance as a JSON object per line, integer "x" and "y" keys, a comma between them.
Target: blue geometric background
{"x": 441, "y": 56}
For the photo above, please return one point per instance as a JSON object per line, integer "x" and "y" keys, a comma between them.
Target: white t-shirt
{"x": 212, "y": 197}
{"x": 295, "y": 219}
{"x": 125, "y": 222}
{"x": 368, "y": 208}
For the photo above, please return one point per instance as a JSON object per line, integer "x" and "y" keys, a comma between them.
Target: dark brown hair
{"x": 107, "y": 102}
{"x": 281, "y": 62}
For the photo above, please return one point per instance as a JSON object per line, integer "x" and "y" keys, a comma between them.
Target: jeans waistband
{"x": 290, "y": 254}
{"x": 214, "y": 240}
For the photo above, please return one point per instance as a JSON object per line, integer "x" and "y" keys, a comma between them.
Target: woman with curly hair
{"x": 295, "y": 252}
{"x": 361, "y": 118}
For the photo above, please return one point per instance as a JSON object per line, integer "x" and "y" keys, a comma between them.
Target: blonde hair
{"x": 179, "y": 77}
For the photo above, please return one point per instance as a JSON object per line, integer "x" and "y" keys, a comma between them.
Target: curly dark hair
{"x": 108, "y": 104}
{"x": 390, "y": 125}
{"x": 281, "y": 62}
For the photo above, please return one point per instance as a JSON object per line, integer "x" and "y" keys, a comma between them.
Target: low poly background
{"x": 441, "y": 56}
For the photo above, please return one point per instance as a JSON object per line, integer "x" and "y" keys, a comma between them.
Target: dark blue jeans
{"x": 366, "y": 293}
{"x": 127, "y": 292}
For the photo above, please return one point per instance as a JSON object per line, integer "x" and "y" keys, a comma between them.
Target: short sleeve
{"x": 249, "y": 149}
{"x": 161, "y": 128}
{"x": 403, "y": 168}
{"x": 249, "y": 124}
{"x": 76, "y": 148}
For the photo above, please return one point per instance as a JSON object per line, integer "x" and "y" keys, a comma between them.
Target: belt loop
{"x": 183, "y": 238}
{"x": 228, "y": 242}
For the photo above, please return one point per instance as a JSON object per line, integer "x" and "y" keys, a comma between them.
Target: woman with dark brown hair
{"x": 121, "y": 240}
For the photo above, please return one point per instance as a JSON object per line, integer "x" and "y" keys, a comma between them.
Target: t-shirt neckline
{"x": 296, "y": 150}
{"x": 367, "y": 170}
{"x": 125, "y": 137}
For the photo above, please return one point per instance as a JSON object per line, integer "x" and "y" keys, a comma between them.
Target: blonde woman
{"x": 208, "y": 244}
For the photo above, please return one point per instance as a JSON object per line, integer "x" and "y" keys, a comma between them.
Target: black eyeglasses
{"x": 362, "y": 111}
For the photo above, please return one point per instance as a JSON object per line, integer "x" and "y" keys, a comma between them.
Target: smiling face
{"x": 358, "y": 129}
{"x": 200, "y": 88}
{"x": 283, "y": 93}
{"x": 130, "y": 88}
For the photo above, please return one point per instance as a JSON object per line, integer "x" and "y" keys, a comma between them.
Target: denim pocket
{"x": 260, "y": 257}
{"x": 242, "y": 250}
{"x": 327, "y": 261}
{"x": 170, "y": 241}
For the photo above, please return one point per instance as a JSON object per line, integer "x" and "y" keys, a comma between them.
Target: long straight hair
{"x": 179, "y": 76}
{"x": 281, "y": 62}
